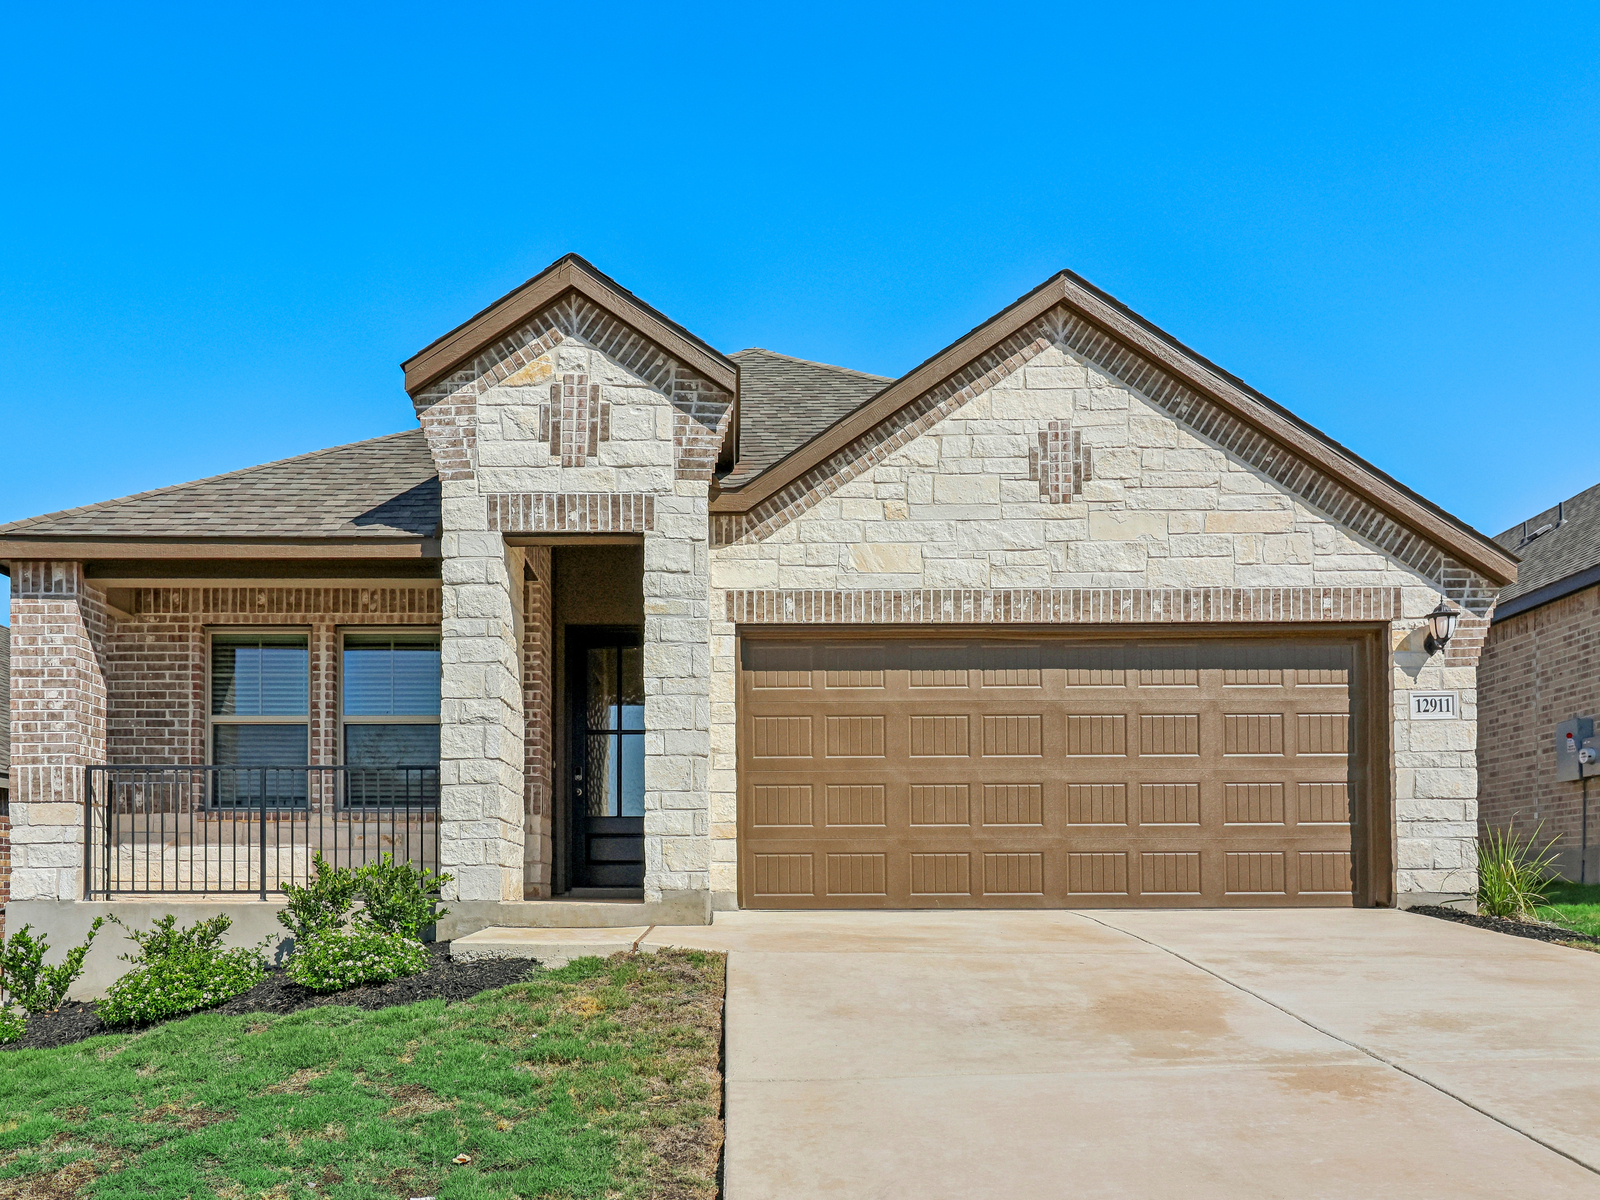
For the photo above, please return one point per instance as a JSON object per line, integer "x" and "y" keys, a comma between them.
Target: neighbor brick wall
{"x": 157, "y": 664}
{"x": 1539, "y": 668}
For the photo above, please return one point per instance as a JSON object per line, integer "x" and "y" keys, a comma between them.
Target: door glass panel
{"x": 602, "y": 696}
{"x": 633, "y": 687}
{"x": 632, "y": 777}
{"x": 601, "y": 783}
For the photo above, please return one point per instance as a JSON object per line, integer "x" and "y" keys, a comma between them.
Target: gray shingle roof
{"x": 1571, "y": 548}
{"x": 383, "y": 488}
{"x": 784, "y": 402}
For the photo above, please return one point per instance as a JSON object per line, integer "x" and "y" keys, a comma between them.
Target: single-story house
{"x": 1540, "y": 671}
{"x": 630, "y": 630}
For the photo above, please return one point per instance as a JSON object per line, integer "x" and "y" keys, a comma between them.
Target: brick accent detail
{"x": 156, "y": 661}
{"x": 1087, "y": 606}
{"x": 1199, "y": 413}
{"x": 538, "y": 693}
{"x": 1466, "y": 645}
{"x": 575, "y": 421}
{"x": 448, "y": 408}
{"x": 695, "y": 446}
{"x": 58, "y": 722}
{"x": 1539, "y": 668}
{"x": 556, "y": 512}
{"x": 1060, "y": 462}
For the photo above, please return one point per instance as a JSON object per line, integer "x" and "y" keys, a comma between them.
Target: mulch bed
{"x": 1538, "y": 930}
{"x": 443, "y": 979}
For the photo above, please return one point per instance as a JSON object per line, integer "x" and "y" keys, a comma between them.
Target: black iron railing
{"x": 215, "y": 829}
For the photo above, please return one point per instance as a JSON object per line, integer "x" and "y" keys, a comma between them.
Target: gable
{"x": 1068, "y": 315}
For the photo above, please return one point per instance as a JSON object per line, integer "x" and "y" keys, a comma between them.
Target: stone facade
{"x": 1050, "y": 489}
{"x": 573, "y": 424}
{"x": 1539, "y": 669}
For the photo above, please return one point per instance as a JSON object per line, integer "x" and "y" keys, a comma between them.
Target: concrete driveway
{"x": 1304, "y": 1054}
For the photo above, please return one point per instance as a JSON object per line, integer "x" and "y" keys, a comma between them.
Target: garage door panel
{"x": 934, "y": 773}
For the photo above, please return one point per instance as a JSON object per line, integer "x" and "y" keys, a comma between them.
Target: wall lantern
{"x": 1441, "y": 627}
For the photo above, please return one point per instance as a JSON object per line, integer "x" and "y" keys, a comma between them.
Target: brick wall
{"x": 1539, "y": 668}
{"x": 538, "y": 687}
{"x": 157, "y": 666}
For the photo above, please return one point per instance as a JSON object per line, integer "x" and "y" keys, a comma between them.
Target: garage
{"x": 1047, "y": 771}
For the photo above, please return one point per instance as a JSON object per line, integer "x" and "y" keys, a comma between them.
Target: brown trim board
{"x": 60, "y": 550}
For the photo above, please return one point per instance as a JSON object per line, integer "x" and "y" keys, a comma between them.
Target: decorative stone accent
{"x": 58, "y": 723}
{"x": 553, "y": 512}
{"x": 575, "y": 421}
{"x": 1073, "y": 606}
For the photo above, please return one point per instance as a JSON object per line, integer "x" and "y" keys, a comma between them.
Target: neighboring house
{"x": 1064, "y": 616}
{"x": 1540, "y": 668}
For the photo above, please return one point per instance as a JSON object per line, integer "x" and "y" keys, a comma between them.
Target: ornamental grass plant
{"x": 1513, "y": 874}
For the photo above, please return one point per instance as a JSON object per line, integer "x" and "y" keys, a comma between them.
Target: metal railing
{"x": 208, "y": 829}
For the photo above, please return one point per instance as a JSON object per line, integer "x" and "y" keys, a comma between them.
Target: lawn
{"x": 1577, "y": 906}
{"x": 600, "y": 1079}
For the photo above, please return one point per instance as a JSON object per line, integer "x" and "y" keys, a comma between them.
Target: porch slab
{"x": 674, "y": 908}
{"x": 548, "y": 947}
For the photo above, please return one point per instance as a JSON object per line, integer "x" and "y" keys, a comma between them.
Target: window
{"x": 390, "y": 711}
{"x": 615, "y": 729}
{"x": 260, "y": 683}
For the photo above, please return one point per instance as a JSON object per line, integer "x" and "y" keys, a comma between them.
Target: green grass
{"x": 600, "y": 1079}
{"x": 1577, "y": 906}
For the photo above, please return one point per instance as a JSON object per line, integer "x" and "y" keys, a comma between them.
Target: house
{"x": 630, "y": 630}
{"x": 1540, "y": 669}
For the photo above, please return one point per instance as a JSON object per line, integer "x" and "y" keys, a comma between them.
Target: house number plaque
{"x": 1434, "y": 706}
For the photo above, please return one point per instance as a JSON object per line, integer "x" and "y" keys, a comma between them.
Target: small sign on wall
{"x": 1434, "y": 706}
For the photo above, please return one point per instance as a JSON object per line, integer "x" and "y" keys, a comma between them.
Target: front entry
{"x": 605, "y": 673}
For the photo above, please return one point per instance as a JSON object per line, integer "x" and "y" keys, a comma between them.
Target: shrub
{"x": 331, "y": 960}
{"x": 12, "y": 1024}
{"x": 24, "y": 978}
{"x": 323, "y": 903}
{"x": 180, "y": 970}
{"x": 1512, "y": 874}
{"x": 399, "y": 897}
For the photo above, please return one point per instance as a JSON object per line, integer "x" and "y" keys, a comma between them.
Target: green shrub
{"x": 12, "y": 1024}
{"x": 1512, "y": 874}
{"x": 180, "y": 970}
{"x": 323, "y": 903}
{"x": 399, "y": 897}
{"x": 24, "y": 978}
{"x": 331, "y": 960}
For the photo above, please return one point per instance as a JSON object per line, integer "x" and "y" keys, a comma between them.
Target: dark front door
{"x": 605, "y": 673}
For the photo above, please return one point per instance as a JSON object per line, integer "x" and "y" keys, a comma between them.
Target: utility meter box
{"x": 1571, "y": 737}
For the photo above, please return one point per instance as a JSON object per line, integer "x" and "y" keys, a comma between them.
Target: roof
{"x": 385, "y": 488}
{"x": 784, "y": 402}
{"x": 741, "y": 492}
{"x": 1562, "y": 559}
{"x": 570, "y": 273}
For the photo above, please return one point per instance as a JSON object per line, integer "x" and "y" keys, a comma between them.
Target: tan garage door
{"x": 1051, "y": 773}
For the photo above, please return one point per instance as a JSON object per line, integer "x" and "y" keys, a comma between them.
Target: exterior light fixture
{"x": 1441, "y": 627}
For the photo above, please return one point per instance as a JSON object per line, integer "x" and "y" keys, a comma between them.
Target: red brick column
{"x": 58, "y": 705}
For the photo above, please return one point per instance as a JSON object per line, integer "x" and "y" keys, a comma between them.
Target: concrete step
{"x": 549, "y": 947}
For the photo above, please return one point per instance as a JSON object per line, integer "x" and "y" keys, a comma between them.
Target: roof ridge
{"x": 811, "y": 362}
{"x": 19, "y": 526}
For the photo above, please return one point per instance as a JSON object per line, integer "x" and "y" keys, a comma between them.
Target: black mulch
{"x": 1537, "y": 930}
{"x": 441, "y": 980}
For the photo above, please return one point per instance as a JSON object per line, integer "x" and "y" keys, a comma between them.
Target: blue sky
{"x": 224, "y": 227}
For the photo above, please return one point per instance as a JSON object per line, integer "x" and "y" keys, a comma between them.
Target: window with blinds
{"x": 260, "y": 688}
{"x": 389, "y": 708}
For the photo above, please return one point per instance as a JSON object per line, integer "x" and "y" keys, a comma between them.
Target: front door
{"x": 605, "y": 673}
